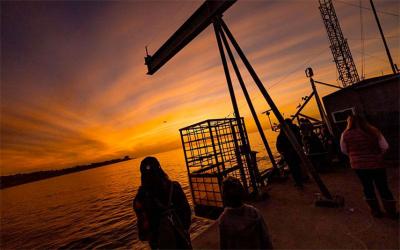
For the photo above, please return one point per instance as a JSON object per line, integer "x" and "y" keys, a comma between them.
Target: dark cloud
{"x": 73, "y": 82}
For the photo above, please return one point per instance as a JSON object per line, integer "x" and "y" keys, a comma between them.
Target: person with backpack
{"x": 241, "y": 226}
{"x": 162, "y": 210}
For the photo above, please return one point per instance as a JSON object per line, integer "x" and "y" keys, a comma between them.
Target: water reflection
{"x": 88, "y": 209}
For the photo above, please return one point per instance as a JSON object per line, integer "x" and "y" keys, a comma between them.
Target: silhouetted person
{"x": 163, "y": 212}
{"x": 241, "y": 226}
{"x": 305, "y": 126}
{"x": 315, "y": 151}
{"x": 329, "y": 142}
{"x": 286, "y": 149}
{"x": 365, "y": 146}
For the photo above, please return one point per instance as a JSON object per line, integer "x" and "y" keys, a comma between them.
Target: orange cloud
{"x": 75, "y": 91}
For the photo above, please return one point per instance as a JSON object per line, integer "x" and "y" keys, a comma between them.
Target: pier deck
{"x": 295, "y": 223}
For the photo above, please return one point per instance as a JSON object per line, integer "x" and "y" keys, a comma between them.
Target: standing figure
{"x": 306, "y": 126}
{"x": 329, "y": 142}
{"x": 241, "y": 226}
{"x": 286, "y": 149}
{"x": 162, "y": 210}
{"x": 315, "y": 151}
{"x": 365, "y": 146}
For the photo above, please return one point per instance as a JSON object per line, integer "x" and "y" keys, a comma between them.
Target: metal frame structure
{"x": 346, "y": 68}
{"x": 314, "y": 93}
{"x": 223, "y": 35}
{"x": 274, "y": 127}
{"x": 215, "y": 149}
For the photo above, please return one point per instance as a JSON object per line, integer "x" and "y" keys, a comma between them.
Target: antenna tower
{"x": 340, "y": 49}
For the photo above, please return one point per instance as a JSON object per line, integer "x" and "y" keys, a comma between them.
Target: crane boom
{"x": 196, "y": 23}
{"x": 340, "y": 49}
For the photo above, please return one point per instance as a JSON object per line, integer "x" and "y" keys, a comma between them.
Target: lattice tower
{"x": 340, "y": 49}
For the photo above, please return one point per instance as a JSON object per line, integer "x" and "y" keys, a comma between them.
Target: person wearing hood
{"x": 241, "y": 226}
{"x": 162, "y": 210}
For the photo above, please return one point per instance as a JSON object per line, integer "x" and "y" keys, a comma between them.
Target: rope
{"x": 377, "y": 57}
{"x": 310, "y": 59}
{"x": 375, "y": 38}
{"x": 358, "y": 6}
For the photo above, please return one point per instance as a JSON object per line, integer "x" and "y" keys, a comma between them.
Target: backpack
{"x": 171, "y": 232}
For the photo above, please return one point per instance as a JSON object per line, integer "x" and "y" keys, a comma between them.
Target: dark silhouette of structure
{"x": 200, "y": 20}
{"x": 214, "y": 149}
{"x": 211, "y": 12}
{"x": 324, "y": 119}
{"x": 377, "y": 99}
{"x": 340, "y": 49}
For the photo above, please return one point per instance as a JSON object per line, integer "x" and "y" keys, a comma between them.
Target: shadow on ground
{"x": 295, "y": 223}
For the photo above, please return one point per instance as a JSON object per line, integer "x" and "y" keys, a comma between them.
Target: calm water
{"x": 90, "y": 209}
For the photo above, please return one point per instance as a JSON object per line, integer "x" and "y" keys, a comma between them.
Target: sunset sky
{"x": 74, "y": 88}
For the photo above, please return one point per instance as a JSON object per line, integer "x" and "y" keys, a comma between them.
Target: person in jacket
{"x": 365, "y": 146}
{"x": 241, "y": 226}
{"x": 162, "y": 210}
{"x": 286, "y": 149}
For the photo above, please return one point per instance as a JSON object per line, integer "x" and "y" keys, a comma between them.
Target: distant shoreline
{"x": 19, "y": 179}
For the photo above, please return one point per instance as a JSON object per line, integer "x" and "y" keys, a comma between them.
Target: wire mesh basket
{"x": 213, "y": 150}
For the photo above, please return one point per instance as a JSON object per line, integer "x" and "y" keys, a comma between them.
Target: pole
{"x": 236, "y": 109}
{"x": 320, "y": 108}
{"x": 269, "y": 119}
{"x": 383, "y": 38}
{"x": 302, "y": 106}
{"x": 213, "y": 146}
{"x": 248, "y": 99}
{"x": 292, "y": 138}
{"x": 188, "y": 170}
{"x": 308, "y": 117}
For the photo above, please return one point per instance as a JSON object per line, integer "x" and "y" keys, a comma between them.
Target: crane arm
{"x": 200, "y": 19}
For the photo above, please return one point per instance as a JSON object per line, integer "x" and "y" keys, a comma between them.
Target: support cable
{"x": 383, "y": 38}
{"x": 366, "y": 8}
{"x": 362, "y": 42}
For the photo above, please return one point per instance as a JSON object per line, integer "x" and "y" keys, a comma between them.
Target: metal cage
{"x": 213, "y": 150}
